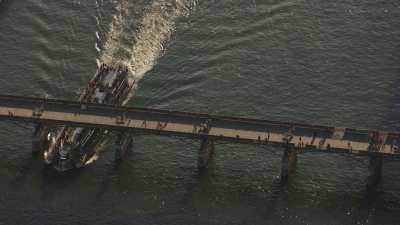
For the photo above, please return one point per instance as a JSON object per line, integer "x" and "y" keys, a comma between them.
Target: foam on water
{"x": 141, "y": 50}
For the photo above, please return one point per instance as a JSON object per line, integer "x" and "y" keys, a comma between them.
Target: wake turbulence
{"x": 120, "y": 68}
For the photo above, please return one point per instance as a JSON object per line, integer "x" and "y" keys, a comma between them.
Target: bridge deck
{"x": 313, "y": 137}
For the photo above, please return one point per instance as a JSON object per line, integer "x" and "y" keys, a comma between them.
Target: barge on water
{"x": 72, "y": 147}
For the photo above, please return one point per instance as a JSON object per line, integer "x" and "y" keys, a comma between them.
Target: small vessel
{"x": 72, "y": 147}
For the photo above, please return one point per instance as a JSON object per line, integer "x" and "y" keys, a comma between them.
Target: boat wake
{"x": 139, "y": 51}
{"x": 123, "y": 61}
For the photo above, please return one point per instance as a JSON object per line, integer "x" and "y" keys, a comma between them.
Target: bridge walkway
{"x": 243, "y": 130}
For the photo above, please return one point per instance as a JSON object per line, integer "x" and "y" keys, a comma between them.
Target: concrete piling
{"x": 124, "y": 143}
{"x": 376, "y": 142}
{"x": 39, "y": 138}
{"x": 206, "y": 152}
{"x": 374, "y": 169}
{"x": 289, "y": 161}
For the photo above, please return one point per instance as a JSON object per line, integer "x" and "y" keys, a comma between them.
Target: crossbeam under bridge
{"x": 294, "y": 137}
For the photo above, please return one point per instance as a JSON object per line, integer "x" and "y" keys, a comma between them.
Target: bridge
{"x": 293, "y": 137}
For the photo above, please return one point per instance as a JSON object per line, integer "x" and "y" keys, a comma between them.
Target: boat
{"x": 74, "y": 147}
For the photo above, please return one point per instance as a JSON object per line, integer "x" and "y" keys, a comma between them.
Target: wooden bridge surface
{"x": 243, "y": 130}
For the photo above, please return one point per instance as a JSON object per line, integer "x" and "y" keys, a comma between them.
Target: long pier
{"x": 294, "y": 137}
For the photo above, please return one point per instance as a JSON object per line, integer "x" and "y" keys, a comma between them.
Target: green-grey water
{"x": 333, "y": 63}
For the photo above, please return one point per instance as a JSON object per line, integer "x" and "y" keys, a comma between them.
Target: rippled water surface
{"x": 325, "y": 62}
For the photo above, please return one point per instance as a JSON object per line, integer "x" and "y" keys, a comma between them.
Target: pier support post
{"x": 124, "y": 143}
{"x": 36, "y": 146}
{"x": 39, "y": 138}
{"x": 289, "y": 161}
{"x": 206, "y": 152}
{"x": 377, "y": 140}
{"x": 374, "y": 169}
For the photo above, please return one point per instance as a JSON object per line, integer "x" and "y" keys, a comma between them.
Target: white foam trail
{"x": 98, "y": 63}
{"x": 98, "y": 36}
{"x": 155, "y": 29}
{"x": 96, "y": 46}
{"x": 97, "y": 21}
{"x": 114, "y": 37}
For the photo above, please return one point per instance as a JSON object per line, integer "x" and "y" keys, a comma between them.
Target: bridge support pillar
{"x": 36, "y": 146}
{"x": 374, "y": 169}
{"x": 289, "y": 162}
{"x": 206, "y": 152}
{"x": 39, "y": 138}
{"x": 124, "y": 143}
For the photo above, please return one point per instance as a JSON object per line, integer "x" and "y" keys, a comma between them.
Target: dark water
{"x": 326, "y": 62}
